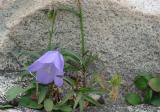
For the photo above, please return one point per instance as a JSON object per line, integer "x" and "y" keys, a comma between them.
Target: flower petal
{"x": 35, "y": 66}
{"x": 49, "y": 68}
{"x": 49, "y": 57}
{"x": 46, "y": 74}
{"x": 59, "y": 62}
{"x": 58, "y": 81}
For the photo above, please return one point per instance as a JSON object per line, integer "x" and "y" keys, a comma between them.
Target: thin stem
{"x": 32, "y": 75}
{"x": 81, "y": 29}
{"x": 82, "y": 42}
{"x": 37, "y": 89}
{"x": 51, "y": 89}
{"x": 84, "y": 79}
{"x": 51, "y": 32}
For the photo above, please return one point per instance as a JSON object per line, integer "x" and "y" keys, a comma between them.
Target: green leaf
{"x": 42, "y": 93}
{"x": 155, "y": 101}
{"x": 74, "y": 55}
{"x": 23, "y": 75}
{"x": 13, "y": 92}
{"x": 133, "y": 99}
{"x": 6, "y": 106}
{"x": 89, "y": 59}
{"x": 79, "y": 96}
{"x": 88, "y": 90}
{"x": 140, "y": 82}
{"x": 29, "y": 87}
{"x": 73, "y": 60}
{"x": 154, "y": 83}
{"x": 26, "y": 101}
{"x": 51, "y": 15}
{"x": 65, "y": 108}
{"x": 81, "y": 104}
{"x": 48, "y": 105}
{"x": 70, "y": 81}
{"x": 69, "y": 68}
{"x": 100, "y": 80}
{"x": 116, "y": 80}
{"x": 146, "y": 75}
{"x": 148, "y": 96}
{"x": 66, "y": 98}
{"x": 91, "y": 100}
{"x": 71, "y": 64}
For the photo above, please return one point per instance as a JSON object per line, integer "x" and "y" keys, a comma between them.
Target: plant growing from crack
{"x": 48, "y": 75}
{"x": 149, "y": 86}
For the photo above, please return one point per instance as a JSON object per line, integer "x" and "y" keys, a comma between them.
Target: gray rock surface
{"x": 113, "y": 108}
{"x": 117, "y": 108}
{"x": 126, "y": 39}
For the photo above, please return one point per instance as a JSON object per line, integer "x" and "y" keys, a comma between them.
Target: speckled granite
{"x": 126, "y": 40}
{"x": 113, "y": 108}
{"x": 118, "y": 108}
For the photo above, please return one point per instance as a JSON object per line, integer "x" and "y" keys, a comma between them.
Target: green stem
{"x": 37, "y": 89}
{"x": 51, "y": 90}
{"x": 81, "y": 29}
{"x": 51, "y": 32}
{"x": 84, "y": 79}
{"x": 82, "y": 42}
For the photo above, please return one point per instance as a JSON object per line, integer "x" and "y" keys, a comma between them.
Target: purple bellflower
{"x": 49, "y": 68}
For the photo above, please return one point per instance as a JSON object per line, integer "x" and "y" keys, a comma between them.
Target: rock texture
{"x": 113, "y": 108}
{"x": 117, "y": 108}
{"x": 126, "y": 38}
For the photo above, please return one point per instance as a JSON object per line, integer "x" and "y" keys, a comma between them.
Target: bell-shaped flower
{"x": 49, "y": 68}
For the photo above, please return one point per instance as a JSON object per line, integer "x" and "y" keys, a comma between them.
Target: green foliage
{"x": 51, "y": 98}
{"x": 91, "y": 100}
{"x": 13, "y": 92}
{"x": 67, "y": 97}
{"x": 81, "y": 105}
{"x": 48, "y": 105}
{"x": 73, "y": 60}
{"x": 116, "y": 80}
{"x": 154, "y": 83}
{"x": 26, "y": 101}
{"x": 150, "y": 89}
{"x": 77, "y": 99}
{"x": 43, "y": 90}
{"x": 141, "y": 82}
{"x": 146, "y": 75}
{"x": 98, "y": 79}
{"x": 155, "y": 101}
{"x": 6, "y": 106}
{"x": 115, "y": 86}
{"x": 65, "y": 108}
{"x": 69, "y": 81}
{"x": 133, "y": 99}
{"x": 82, "y": 41}
{"x": 52, "y": 17}
{"x": 148, "y": 94}
{"x": 83, "y": 95}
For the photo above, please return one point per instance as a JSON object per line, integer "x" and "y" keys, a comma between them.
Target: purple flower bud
{"x": 49, "y": 68}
